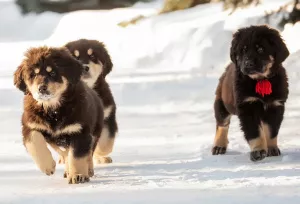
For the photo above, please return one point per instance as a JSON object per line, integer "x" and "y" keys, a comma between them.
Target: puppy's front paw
{"x": 273, "y": 151}
{"x": 78, "y": 178}
{"x": 218, "y": 150}
{"x": 48, "y": 167}
{"x": 258, "y": 155}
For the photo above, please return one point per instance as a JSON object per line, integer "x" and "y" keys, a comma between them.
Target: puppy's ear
{"x": 19, "y": 78}
{"x": 108, "y": 64}
{"x": 234, "y": 45}
{"x": 281, "y": 51}
{"x": 105, "y": 59}
{"x": 71, "y": 67}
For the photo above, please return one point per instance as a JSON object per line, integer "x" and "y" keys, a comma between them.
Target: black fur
{"x": 251, "y": 50}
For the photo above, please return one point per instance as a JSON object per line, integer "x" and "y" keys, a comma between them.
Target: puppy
{"x": 97, "y": 64}
{"x": 255, "y": 88}
{"x": 59, "y": 109}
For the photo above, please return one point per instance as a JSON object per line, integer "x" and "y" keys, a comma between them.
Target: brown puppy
{"x": 59, "y": 109}
{"x": 97, "y": 64}
{"x": 255, "y": 88}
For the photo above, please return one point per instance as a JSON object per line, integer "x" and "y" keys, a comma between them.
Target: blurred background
{"x": 156, "y": 35}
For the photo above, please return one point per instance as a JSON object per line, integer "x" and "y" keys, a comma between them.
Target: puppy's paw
{"x": 218, "y": 150}
{"x": 78, "y": 178}
{"x": 258, "y": 155}
{"x": 48, "y": 167}
{"x": 273, "y": 151}
{"x": 103, "y": 160}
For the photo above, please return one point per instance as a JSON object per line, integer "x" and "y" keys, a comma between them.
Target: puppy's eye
{"x": 260, "y": 50}
{"x": 92, "y": 56}
{"x": 52, "y": 74}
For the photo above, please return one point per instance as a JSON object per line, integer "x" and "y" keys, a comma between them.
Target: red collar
{"x": 263, "y": 87}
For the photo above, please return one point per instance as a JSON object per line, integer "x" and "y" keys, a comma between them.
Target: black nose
{"x": 249, "y": 63}
{"x": 86, "y": 68}
{"x": 42, "y": 88}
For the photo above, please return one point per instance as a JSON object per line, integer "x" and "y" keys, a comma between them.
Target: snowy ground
{"x": 164, "y": 80}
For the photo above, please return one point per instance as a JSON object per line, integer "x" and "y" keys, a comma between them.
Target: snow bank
{"x": 192, "y": 41}
{"x": 16, "y": 27}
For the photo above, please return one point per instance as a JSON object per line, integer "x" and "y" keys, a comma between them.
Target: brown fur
{"x": 73, "y": 120}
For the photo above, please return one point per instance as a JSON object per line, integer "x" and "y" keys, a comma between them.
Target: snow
{"x": 166, "y": 70}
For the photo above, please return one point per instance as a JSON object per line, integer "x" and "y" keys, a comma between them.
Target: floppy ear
{"x": 233, "y": 48}
{"x": 19, "y": 78}
{"x": 281, "y": 51}
{"x": 107, "y": 64}
{"x": 69, "y": 64}
{"x": 105, "y": 58}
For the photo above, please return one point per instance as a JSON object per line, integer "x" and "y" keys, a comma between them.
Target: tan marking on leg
{"x": 59, "y": 150}
{"x": 104, "y": 147}
{"x": 105, "y": 143}
{"x": 221, "y": 137}
{"x": 77, "y": 168}
{"x": 66, "y": 173}
{"x": 63, "y": 153}
{"x": 260, "y": 143}
{"x": 270, "y": 142}
{"x": 273, "y": 149}
{"x": 91, "y": 165}
{"x": 37, "y": 148}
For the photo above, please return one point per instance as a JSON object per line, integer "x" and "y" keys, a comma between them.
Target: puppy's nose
{"x": 249, "y": 63}
{"x": 86, "y": 68}
{"x": 42, "y": 88}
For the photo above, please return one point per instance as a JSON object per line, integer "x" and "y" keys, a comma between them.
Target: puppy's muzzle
{"x": 86, "y": 72}
{"x": 43, "y": 89}
{"x": 86, "y": 68}
{"x": 248, "y": 68}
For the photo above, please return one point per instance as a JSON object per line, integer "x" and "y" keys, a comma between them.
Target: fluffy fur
{"x": 257, "y": 52}
{"x": 59, "y": 109}
{"x": 97, "y": 64}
